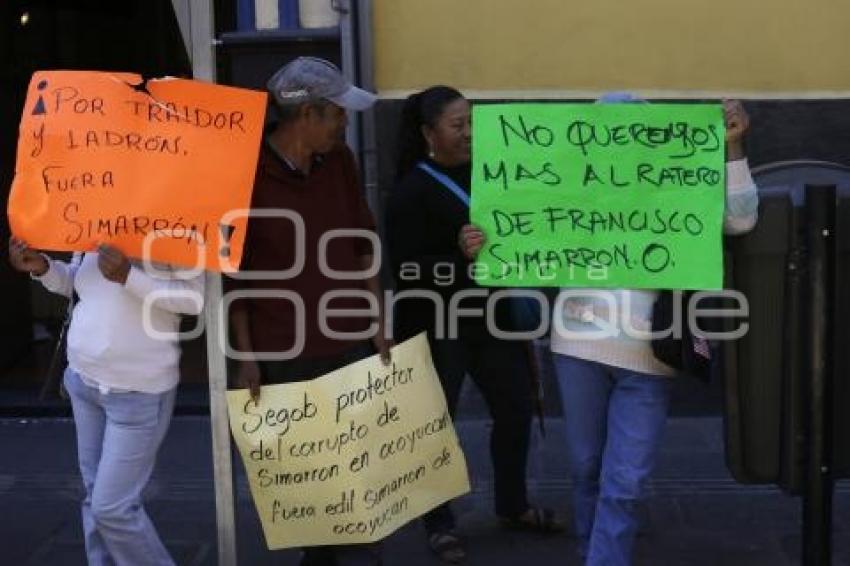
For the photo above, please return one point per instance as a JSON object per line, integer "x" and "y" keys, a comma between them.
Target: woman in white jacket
{"x": 122, "y": 376}
{"x": 615, "y": 393}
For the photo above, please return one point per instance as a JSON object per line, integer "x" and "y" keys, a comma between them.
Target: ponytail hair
{"x": 420, "y": 109}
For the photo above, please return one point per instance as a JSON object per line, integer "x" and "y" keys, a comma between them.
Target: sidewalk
{"x": 697, "y": 516}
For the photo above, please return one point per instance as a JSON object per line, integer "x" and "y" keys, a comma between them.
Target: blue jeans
{"x": 615, "y": 421}
{"x": 118, "y": 435}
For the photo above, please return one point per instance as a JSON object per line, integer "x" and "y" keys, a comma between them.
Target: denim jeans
{"x": 118, "y": 435}
{"x": 615, "y": 421}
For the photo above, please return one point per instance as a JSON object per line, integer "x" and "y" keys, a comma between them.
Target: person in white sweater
{"x": 615, "y": 394}
{"x": 122, "y": 376}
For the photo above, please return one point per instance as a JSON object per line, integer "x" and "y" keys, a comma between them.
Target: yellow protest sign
{"x": 108, "y": 158}
{"x": 353, "y": 455}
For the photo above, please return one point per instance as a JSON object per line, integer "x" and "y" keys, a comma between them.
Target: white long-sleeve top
{"x": 581, "y": 315}
{"x": 111, "y": 341}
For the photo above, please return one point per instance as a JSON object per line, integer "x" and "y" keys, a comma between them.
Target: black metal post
{"x": 817, "y": 496}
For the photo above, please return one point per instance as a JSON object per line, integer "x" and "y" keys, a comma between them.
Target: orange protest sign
{"x": 157, "y": 169}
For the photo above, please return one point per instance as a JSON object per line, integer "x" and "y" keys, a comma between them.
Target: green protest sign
{"x": 599, "y": 195}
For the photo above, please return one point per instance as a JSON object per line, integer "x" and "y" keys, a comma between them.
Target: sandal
{"x": 447, "y": 546}
{"x": 536, "y": 520}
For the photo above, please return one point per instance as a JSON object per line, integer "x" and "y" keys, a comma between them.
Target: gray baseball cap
{"x": 307, "y": 79}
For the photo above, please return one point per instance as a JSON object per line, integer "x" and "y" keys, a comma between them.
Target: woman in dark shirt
{"x": 426, "y": 212}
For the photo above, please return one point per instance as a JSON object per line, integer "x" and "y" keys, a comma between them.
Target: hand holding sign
{"x": 736, "y": 118}
{"x": 383, "y": 346}
{"x": 24, "y": 258}
{"x": 248, "y": 377}
{"x": 113, "y": 264}
{"x": 737, "y": 124}
{"x": 471, "y": 239}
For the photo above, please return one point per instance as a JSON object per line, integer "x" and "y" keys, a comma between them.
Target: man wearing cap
{"x": 306, "y": 187}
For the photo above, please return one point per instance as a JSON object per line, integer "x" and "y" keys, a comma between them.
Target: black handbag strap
{"x": 58, "y": 359}
{"x": 689, "y": 355}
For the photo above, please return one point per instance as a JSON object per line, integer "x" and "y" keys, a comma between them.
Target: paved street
{"x": 696, "y": 515}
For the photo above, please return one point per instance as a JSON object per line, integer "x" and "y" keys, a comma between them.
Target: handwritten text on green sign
{"x": 599, "y": 195}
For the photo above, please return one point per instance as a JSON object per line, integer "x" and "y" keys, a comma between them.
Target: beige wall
{"x": 570, "y": 48}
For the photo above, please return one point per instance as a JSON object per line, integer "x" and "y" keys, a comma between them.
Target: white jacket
{"x": 111, "y": 340}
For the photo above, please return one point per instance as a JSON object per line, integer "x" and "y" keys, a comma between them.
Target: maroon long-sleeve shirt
{"x": 328, "y": 198}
